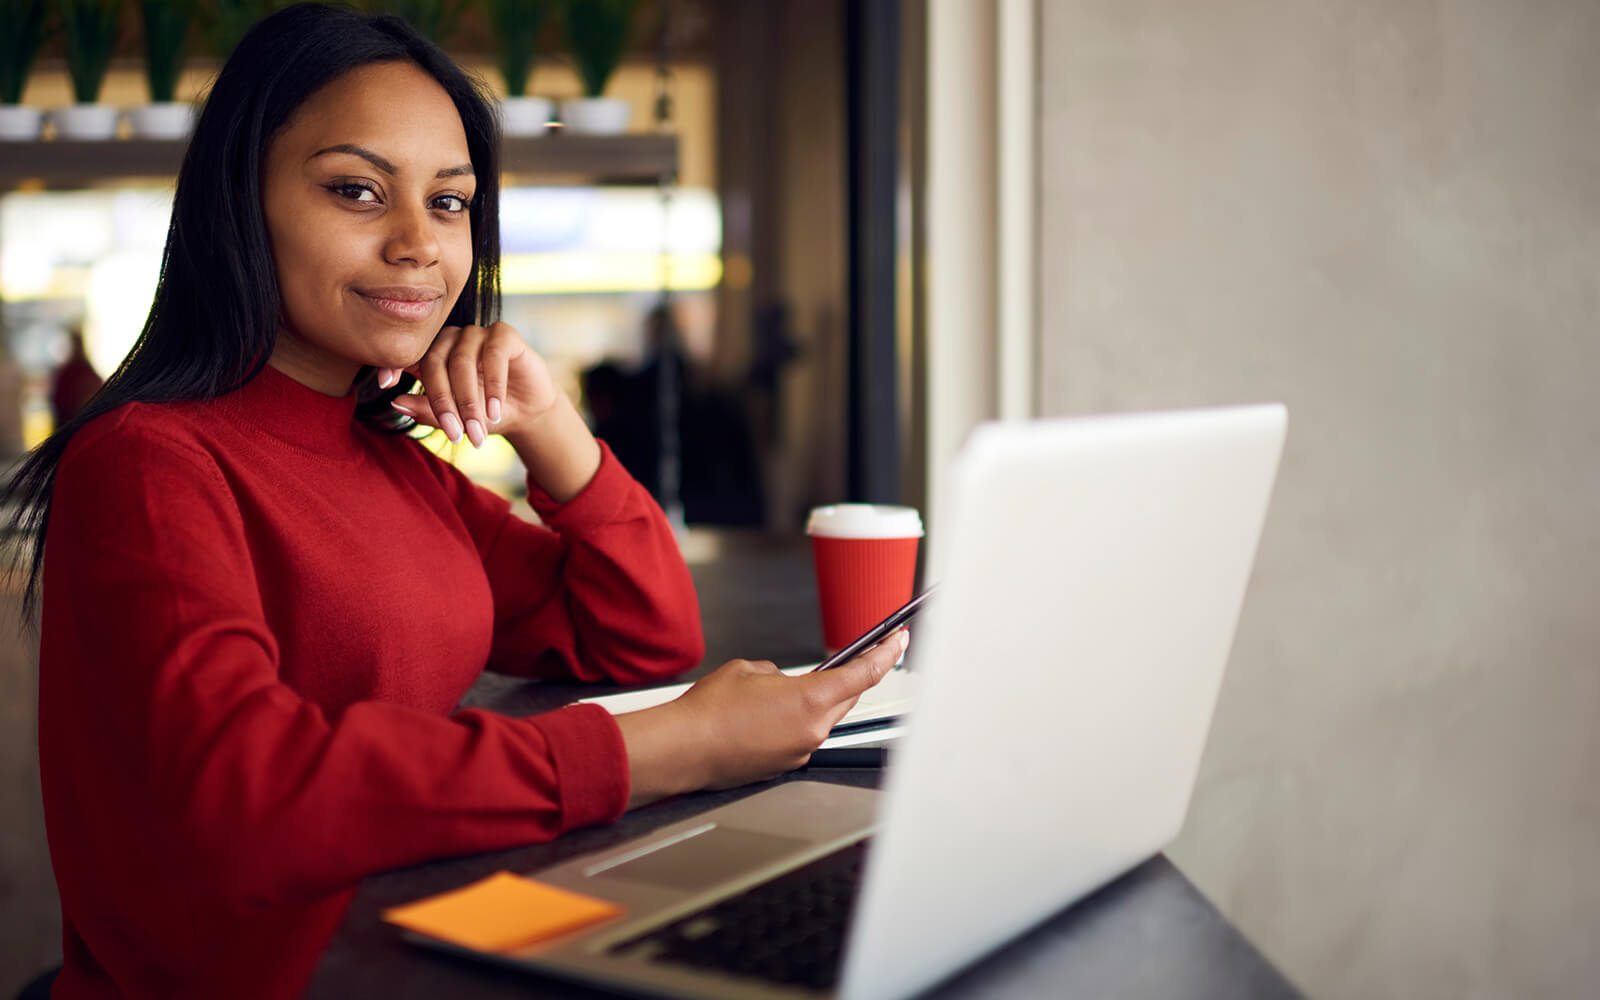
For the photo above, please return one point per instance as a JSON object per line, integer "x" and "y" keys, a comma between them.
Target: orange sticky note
{"x": 501, "y": 912}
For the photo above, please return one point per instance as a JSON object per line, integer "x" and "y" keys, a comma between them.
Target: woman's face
{"x": 365, "y": 192}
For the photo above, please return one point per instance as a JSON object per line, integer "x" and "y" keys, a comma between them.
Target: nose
{"x": 411, "y": 239}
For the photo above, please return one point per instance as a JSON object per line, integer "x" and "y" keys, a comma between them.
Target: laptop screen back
{"x": 1091, "y": 572}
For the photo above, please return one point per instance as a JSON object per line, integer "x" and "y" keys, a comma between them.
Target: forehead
{"x": 393, "y": 108}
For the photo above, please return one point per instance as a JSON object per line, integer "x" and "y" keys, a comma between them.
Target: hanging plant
{"x": 21, "y": 32}
{"x": 228, "y": 20}
{"x": 166, "y": 34}
{"x": 166, "y": 30}
{"x": 90, "y": 30}
{"x": 517, "y": 25}
{"x": 435, "y": 20}
{"x": 22, "y": 28}
{"x": 90, "y": 27}
{"x": 597, "y": 33}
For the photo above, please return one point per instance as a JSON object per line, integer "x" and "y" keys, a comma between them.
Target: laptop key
{"x": 789, "y": 930}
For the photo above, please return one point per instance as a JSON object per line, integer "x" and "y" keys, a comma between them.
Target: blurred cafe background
{"x": 704, "y": 218}
{"x": 817, "y": 240}
{"x": 707, "y": 223}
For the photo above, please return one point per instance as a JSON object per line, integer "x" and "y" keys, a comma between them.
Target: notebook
{"x": 876, "y": 717}
{"x": 1092, "y": 572}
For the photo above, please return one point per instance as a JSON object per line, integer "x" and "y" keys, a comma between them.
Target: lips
{"x": 403, "y": 302}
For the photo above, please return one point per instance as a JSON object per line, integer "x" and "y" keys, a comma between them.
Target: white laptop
{"x": 1091, "y": 573}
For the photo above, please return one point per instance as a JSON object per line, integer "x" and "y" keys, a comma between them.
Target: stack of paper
{"x": 884, "y": 704}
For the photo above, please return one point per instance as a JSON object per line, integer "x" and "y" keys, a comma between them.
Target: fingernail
{"x": 475, "y": 433}
{"x": 451, "y": 425}
{"x": 494, "y": 410}
{"x": 905, "y": 639}
{"x": 387, "y": 378}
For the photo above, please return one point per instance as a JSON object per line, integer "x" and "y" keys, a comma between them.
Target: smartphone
{"x": 879, "y": 632}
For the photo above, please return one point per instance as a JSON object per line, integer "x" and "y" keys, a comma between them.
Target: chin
{"x": 400, "y": 355}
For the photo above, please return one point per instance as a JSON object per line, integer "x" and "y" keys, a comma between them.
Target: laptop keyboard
{"x": 790, "y": 930}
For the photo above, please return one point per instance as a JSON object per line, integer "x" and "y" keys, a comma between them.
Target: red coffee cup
{"x": 866, "y": 562}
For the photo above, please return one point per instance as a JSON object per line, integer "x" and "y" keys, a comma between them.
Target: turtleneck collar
{"x": 297, "y": 415}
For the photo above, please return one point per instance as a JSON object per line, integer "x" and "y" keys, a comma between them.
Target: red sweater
{"x": 258, "y": 618}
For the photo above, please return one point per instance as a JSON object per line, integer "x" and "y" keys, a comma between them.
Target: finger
{"x": 388, "y": 377}
{"x": 466, "y": 382}
{"x": 435, "y": 374}
{"x": 417, "y": 408}
{"x": 505, "y": 344}
{"x": 848, "y": 681}
{"x": 441, "y": 341}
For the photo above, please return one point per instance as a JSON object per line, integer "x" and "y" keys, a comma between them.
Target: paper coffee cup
{"x": 866, "y": 562}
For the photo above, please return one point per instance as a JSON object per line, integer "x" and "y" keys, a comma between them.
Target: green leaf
{"x": 436, "y": 20}
{"x": 21, "y": 33}
{"x": 226, "y": 22}
{"x": 166, "y": 31}
{"x": 597, "y": 32}
{"x": 517, "y": 26}
{"x": 90, "y": 29}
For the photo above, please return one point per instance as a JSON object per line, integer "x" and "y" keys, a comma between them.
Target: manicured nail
{"x": 451, "y": 425}
{"x": 905, "y": 639}
{"x": 475, "y": 432}
{"x": 494, "y": 410}
{"x": 386, "y": 378}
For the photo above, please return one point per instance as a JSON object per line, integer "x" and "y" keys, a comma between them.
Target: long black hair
{"x": 214, "y": 321}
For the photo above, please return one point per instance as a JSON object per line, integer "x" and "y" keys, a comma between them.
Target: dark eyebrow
{"x": 382, "y": 164}
{"x": 365, "y": 154}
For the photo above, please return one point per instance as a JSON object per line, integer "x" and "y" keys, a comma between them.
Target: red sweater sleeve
{"x": 599, "y": 592}
{"x": 161, "y": 705}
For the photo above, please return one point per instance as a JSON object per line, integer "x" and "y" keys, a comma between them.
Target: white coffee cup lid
{"x": 864, "y": 520}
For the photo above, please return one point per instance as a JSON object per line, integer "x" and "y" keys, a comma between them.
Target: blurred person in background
{"x": 719, "y": 479}
{"x": 261, "y": 600}
{"x": 623, "y": 417}
{"x": 73, "y": 383}
{"x": 11, "y": 418}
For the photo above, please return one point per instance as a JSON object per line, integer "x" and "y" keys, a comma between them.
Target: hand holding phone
{"x": 877, "y": 633}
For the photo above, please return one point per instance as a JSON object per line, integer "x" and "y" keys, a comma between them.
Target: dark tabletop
{"x": 1148, "y": 934}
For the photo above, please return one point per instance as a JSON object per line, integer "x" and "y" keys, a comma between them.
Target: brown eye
{"x": 354, "y": 192}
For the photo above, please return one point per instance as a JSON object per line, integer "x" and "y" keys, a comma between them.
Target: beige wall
{"x": 1387, "y": 214}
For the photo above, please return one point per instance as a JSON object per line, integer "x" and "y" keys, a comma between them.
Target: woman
{"x": 261, "y": 604}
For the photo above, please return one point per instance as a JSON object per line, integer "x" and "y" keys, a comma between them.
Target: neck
{"x": 311, "y": 368}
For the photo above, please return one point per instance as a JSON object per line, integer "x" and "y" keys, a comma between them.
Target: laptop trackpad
{"x": 707, "y": 858}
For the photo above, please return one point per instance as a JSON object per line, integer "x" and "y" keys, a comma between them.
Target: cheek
{"x": 456, "y": 256}
{"x": 300, "y": 289}
{"x": 316, "y": 261}
{"x": 299, "y": 256}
